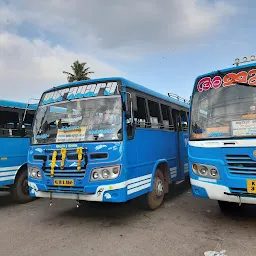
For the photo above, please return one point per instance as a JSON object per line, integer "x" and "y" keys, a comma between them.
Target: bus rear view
{"x": 222, "y": 145}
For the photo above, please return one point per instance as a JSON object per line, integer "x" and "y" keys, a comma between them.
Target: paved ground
{"x": 184, "y": 225}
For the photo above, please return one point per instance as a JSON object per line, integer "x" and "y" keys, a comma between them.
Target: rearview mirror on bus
{"x": 131, "y": 127}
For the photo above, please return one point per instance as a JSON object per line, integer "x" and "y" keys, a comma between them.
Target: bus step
{"x": 178, "y": 182}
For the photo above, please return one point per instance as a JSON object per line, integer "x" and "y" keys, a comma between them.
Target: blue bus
{"x": 14, "y": 147}
{"x": 107, "y": 140}
{"x": 222, "y": 142}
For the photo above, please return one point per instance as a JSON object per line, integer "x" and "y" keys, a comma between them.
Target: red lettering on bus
{"x": 252, "y": 75}
{"x": 216, "y": 82}
{"x": 204, "y": 84}
{"x": 230, "y": 78}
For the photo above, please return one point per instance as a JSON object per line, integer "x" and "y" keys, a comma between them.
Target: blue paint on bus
{"x": 14, "y": 147}
{"x": 222, "y": 147}
{"x": 134, "y": 159}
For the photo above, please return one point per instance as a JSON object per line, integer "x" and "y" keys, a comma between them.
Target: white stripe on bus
{"x": 131, "y": 191}
{"x": 7, "y": 178}
{"x": 11, "y": 168}
{"x": 2, "y": 174}
{"x": 223, "y": 143}
{"x": 139, "y": 179}
{"x": 138, "y": 184}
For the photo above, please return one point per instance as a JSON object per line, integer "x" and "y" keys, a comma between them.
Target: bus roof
{"x": 16, "y": 104}
{"x": 227, "y": 69}
{"x": 126, "y": 83}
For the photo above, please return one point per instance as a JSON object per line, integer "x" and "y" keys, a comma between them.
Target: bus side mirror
{"x": 131, "y": 127}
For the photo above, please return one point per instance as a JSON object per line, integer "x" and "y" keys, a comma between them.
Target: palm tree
{"x": 79, "y": 72}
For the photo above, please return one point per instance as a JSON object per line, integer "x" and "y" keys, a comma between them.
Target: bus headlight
{"x": 34, "y": 172}
{"x": 214, "y": 172}
{"x": 204, "y": 170}
{"x": 105, "y": 173}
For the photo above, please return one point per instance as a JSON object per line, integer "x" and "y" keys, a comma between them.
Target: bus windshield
{"x": 226, "y": 112}
{"x": 91, "y": 119}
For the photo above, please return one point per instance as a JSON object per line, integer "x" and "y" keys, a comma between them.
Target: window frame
{"x": 146, "y": 111}
{"x": 20, "y": 113}
{"x": 171, "y": 106}
{"x": 170, "y": 117}
{"x": 16, "y": 111}
{"x": 159, "y": 124}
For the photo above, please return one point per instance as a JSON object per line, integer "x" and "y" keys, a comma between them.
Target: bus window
{"x": 184, "y": 121}
{"x": 140, "y": 116}
{"x": 167, "y": 121}
{"x": 9, "y": 124}
{"x": 28, "y": 124}
{"x": 175, "y": 118}
{"x": 154, "y": 113}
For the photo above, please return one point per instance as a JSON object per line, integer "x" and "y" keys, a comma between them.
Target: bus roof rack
{"x": 178, "y": 98}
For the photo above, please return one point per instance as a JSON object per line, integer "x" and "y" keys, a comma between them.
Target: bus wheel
{"x": 154, "y": 199}
{"x": 20, "y": 190}
{"x": 228, "y": 206}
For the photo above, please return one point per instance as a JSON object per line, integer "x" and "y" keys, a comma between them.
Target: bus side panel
{"x": 183, "y": 168}
{"x": 13, "y": 153}
{"x": 147, "y": 147}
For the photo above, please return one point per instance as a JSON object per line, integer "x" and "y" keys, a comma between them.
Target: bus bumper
{"x": 107, "y": 193}
{"x": 113, "y": 192}
{"x": 220, "y": 192}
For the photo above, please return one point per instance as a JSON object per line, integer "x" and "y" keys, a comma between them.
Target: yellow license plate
{"x": 251, "y": 186}
{"x": 65, "y": 183}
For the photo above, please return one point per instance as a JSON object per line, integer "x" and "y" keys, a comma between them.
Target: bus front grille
{"x": 66, "y": 173}
{"x": 241, "y": 165}
{"x": 65, "y": 189}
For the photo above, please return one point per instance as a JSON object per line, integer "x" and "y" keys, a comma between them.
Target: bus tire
{"x": 154, "y": 199}
{"x": 19, "y": 190}
{"x": 228, "y": 206}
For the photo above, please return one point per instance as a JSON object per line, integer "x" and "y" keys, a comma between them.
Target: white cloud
{"x": 8, "y": 17}
{"x": 27, "y": 68}
{"x": 95, "y": 30}
{"x": 127, "y": 27}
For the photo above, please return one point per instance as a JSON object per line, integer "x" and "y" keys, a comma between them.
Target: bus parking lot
{"x": 184, "y": 225}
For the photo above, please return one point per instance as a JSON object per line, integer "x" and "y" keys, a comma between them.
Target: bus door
{"x": 181, "y": 127}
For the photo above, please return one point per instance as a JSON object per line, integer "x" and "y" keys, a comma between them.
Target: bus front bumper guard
{"x": 104, "y": 193}
{"x": 220, "y": 192}
{"x": 116, "y": 192}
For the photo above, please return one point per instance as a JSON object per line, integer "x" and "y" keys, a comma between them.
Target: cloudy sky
{"x": 161, "y": 44}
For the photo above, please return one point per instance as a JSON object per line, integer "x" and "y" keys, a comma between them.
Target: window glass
{"x": 9, "y": 124}
{"x": 28, "y": 123}
{"x": 154, "y": 114}
{"x": 167, "y": 121}
{"x": 140, "y": 116}
{"x": 184, "y": 121}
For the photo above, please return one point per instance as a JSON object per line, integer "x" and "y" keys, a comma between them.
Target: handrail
{"x": 178, "y": 98}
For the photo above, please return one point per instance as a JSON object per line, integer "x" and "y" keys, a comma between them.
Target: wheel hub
{"x": 159, "y": 187}
{"x": 25, "y": 187}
